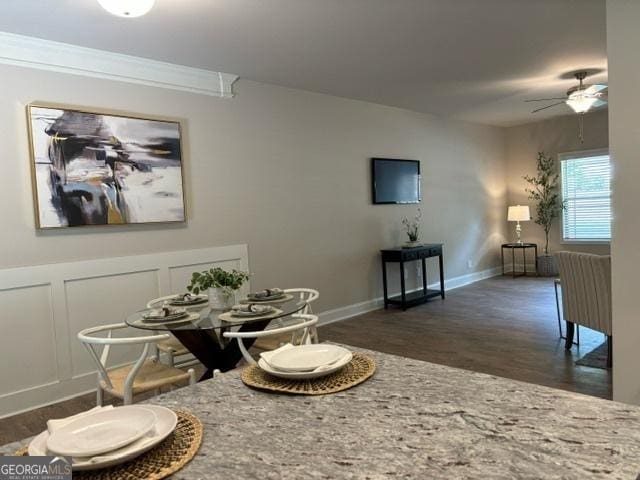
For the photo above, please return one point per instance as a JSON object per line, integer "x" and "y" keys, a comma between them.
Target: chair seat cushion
{"x": 152, "y": 375}
{"x": 172, "y": 345}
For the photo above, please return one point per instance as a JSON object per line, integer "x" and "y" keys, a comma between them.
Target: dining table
{"x": 410, "y": 420}
{"x": 203, "y": 336}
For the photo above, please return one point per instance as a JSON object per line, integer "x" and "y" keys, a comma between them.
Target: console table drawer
{"x": 411, "y": 255}
{"x": 430, "y": 252}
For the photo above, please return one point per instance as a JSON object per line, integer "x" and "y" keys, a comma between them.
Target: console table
{"x": 402, "y": 255}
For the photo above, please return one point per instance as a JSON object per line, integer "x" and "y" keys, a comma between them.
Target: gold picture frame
{"x": 100, "y": 167}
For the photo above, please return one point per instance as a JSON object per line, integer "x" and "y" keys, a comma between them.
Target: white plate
{"x": 166, "y": 421}
{"x": 229, "y": 317}
{"x": 305, "y": 375}
{"x": 101, "y": 432}
{"x": 284, "y": 298}
{"x": 306, "y": 357}
{"x": 192, "y": 317}
{"x": 268, "y": 310}
{"x": 160, "y": 301}
{"x": 154, "y": 315}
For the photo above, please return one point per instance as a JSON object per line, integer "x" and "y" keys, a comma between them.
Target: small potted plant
{"x": 412, "y": 227}
{"x": 544, "y": 190}
{"x": 219, "y": 284}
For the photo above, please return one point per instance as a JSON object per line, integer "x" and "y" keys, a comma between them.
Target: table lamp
{"x": 518, "y": 213}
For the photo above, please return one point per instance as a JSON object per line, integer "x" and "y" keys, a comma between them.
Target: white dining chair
{"x": 307, "y": 295}
{"x": 307, "y": 321}
{"x": 171, "y": 347}
{"x": 144, "y": 375}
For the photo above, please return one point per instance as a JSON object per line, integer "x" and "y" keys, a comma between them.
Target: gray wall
{"x": 285, "y": 171}
{"x": 553, "y": 136}
{"x": 623, "y": 38}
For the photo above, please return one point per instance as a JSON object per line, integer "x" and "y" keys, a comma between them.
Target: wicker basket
{"x": 547, "y": 266}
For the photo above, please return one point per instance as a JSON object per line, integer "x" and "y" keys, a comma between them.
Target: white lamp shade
{"x": 127, "y": 8}
{"x": 518, "y": 213}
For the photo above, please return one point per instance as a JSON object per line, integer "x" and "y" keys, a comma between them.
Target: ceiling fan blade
{"x": 546, "y": 99}
{"x": 593, "y": 89}
{"x": 548, "y": 106}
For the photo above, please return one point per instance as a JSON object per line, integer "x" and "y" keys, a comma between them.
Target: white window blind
{"x": 586, "y": 193}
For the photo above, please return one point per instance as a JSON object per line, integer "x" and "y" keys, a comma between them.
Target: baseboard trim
{"x": 343, "y": 313}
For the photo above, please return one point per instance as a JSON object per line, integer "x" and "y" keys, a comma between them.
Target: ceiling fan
{"x": 580, "y": 98}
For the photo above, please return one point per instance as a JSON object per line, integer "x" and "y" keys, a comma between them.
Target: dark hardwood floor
{"x": 501, "y": 326}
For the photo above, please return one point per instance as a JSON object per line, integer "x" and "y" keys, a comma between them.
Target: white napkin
{"x": 56, "y": 423}
{"x": 251, "y": 308}
{"x": 266, "y": 293}
{"x": 266, "y": 356}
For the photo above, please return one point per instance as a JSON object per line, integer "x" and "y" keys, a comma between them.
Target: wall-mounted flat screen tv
{"x": 395, "y": 181}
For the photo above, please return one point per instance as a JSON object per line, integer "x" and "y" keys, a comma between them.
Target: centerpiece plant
{"x": 219, "y": 283}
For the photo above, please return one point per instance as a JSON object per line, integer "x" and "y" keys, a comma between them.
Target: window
{"x": 586, "y": 193}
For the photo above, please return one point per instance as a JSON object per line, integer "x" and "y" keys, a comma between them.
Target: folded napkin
{"x": 250, "y": 308}
{"x": 266, "y": 356}
{"x": 266, "y": 293}
{"x": 56, "y": 423}
{"x": 165, "y": 311}
{"x": 186, "y": 297}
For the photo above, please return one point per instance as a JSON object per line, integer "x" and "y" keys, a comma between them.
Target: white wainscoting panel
{"x": 27, "y": 315}
{"x": 45, "y": 306}
{"x": 104, "y": 300}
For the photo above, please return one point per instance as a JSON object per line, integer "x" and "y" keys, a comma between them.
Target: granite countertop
{"x": 412, "y": 419}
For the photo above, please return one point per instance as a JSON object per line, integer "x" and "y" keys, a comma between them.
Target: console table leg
{"x": 441, "y": 262}
{"x": 424, "y": 277}
{"x": 384, "y": 284}
{"x": 402, "y": 287}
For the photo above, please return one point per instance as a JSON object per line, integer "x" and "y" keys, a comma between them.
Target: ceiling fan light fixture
{"x": 127, "y": 8}
{"x": 579, "y": 102}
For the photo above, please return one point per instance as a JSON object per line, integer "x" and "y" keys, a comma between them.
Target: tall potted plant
{"x": 544, "y": 191}
{"x": 219, "y": 284}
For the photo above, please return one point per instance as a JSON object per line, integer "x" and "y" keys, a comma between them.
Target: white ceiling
{"x": 475, "y": 60}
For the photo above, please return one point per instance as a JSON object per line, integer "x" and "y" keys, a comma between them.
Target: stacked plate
{"x": 168, "y": 314}
{"x": 268, "y": 295}
{"x": 105, "y": 436}
{"x": 304, "y": 361}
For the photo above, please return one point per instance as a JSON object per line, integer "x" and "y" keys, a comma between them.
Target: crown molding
{"x": 52, "y": 56}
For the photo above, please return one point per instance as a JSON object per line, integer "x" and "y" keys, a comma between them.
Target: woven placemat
{"x": 161, "y": 461}
{"x": 360, "y": 368}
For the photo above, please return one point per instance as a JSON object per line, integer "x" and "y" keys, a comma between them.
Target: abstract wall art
{"x": 96, "y": 168}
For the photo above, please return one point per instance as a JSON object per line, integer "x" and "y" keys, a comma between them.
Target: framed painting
{"x": 100, "y": 168}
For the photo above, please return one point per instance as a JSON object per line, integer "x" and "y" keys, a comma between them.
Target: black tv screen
{"x": 395, "y": 181}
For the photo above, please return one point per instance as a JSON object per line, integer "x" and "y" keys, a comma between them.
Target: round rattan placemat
{"x": 161, "y": 461}
{"x": 360, "y": 368}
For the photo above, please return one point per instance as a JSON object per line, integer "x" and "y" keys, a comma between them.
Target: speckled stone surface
{"x": 412, "y": 419}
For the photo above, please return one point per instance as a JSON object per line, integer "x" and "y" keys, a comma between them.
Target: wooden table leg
{"x": 513, "y": 262}
{"x": 524, "y": 260}
{"x": 502, "y": 256}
